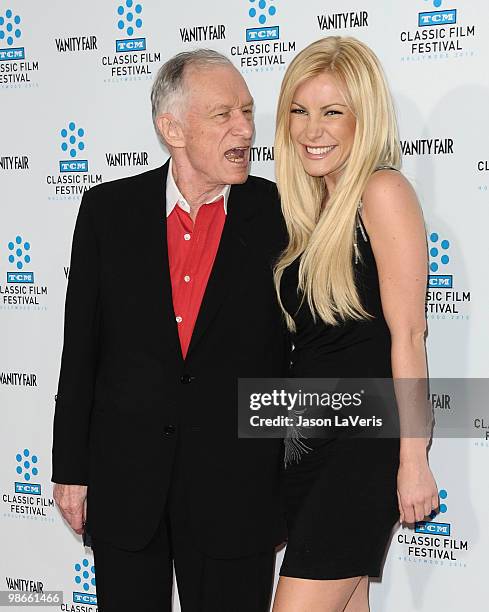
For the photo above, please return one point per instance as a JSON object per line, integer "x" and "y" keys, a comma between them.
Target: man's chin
{"x": 238, "y": 175}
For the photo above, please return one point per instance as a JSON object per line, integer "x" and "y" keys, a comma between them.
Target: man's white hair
{"x": 168, "y": 91}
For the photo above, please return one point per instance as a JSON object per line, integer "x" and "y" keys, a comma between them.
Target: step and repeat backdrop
{"x": 75, "y": 79}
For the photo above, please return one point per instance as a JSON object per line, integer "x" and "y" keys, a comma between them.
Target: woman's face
{"x": 322, "y": 127}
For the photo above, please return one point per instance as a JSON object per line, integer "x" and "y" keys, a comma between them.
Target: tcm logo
{"x": 19, "y": 254}
{"x": 262, "y": 10}
{"x": 10, "y": 32}
{"x": 432, "y": 528}
{"x": 429, "y": 528}
{"x": 129, "y": 21}
{"x": 85, "y": 580}
{"x": 437, "y": 18}
{"x": 439, "y": 258}
{"x": 72, "y": 142}
{"x": 27, "y": 469}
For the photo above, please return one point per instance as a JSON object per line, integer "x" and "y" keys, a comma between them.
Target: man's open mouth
{"x": 237, "y": 155}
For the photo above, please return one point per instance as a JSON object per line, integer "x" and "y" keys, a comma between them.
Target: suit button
{"x": 169, "y": 430}
{"x": 186, "y": 379}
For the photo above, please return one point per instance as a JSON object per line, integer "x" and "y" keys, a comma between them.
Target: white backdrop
{"x": 74, "y": 90}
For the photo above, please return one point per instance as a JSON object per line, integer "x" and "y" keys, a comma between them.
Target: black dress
{"x": 341, "y": 495}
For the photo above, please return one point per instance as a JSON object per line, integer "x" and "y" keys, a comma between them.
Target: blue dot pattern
{"x": 129, "y": 17}
{"x": 437, "y": 3}
{"x": 85, "y": 575}
{"x": 262, "y": 9}
{"x": 72, "y": 139}
{"x": 18, "y": 252}
{"x": 9, "y": 33}
{"x": 442, "y": 494}
{"x": 437, "y": 255}
{"x": 26, "y": 464}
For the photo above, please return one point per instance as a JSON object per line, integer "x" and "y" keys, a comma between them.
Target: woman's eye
{"x": 298, "y": 111}
{"x": 334, "y": 112}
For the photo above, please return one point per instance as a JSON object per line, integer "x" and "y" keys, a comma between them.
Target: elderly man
{"x": 170, "y": 299}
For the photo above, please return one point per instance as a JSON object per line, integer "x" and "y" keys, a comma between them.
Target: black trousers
{"x": 142, "y": 580}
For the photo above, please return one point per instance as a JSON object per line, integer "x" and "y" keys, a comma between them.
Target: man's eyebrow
{"x": 225, "y": 107}
{"x": 322, "y": 107}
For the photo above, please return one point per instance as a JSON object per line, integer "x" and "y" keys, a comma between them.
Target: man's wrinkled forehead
{"x": 209, "y": 88}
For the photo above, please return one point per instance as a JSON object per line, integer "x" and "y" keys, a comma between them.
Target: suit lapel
{"x": 231, "y": 254}
{"x": 158, "y": 267}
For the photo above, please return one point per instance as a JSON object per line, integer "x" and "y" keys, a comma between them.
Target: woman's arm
{"x": 394, "y": 223}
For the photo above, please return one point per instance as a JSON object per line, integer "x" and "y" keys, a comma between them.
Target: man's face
{"x": 217, "y": 124}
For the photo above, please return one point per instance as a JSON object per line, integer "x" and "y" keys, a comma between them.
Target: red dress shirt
{"x": 192, "y": 249}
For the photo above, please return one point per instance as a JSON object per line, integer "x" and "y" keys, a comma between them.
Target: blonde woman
{"x": 352, "y": 285}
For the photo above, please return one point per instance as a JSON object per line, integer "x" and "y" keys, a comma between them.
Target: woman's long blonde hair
{"x": 325, "y": 241}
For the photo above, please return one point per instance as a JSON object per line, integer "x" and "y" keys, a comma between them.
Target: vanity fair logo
{"x": 329, "y": 22}
{"x": 262, "y": 154}
{"x": 14, "y": 162}
{"x": 24, "y": 584}
{"x": 427, "y": 146}
{"x": 18, "y": 379}
{"x": 202, "y": 33}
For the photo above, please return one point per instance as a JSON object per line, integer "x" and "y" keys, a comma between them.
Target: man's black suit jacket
{"x": 124, "y": 385}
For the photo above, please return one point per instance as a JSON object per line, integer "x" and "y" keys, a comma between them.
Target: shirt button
{"x": 178, "y": 319}
{"x": 169, "y": 430}
{"x": 186, "y": 278}
{"x": 186, "y": 379}
{"x": 186, "y": 236}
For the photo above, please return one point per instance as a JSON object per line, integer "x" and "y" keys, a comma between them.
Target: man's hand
{"x": 72, "y": 502}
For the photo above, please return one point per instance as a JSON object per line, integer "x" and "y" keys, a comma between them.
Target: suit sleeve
{"x": 79, "y": 357}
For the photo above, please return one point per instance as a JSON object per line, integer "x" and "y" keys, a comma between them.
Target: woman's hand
{"x": 417, "y": 492}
